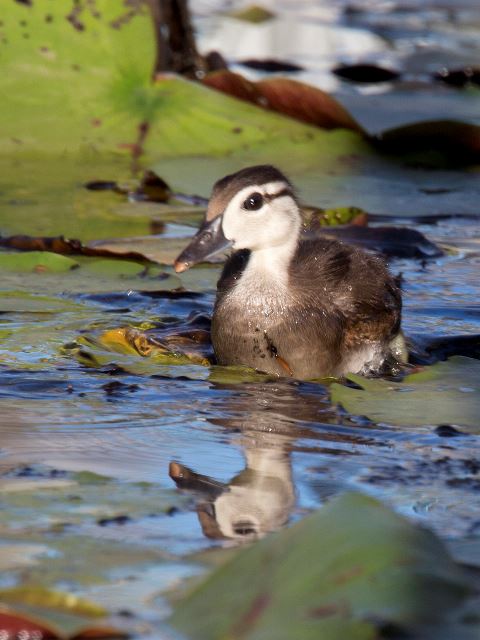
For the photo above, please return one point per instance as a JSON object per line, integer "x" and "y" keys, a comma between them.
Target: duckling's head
{"x": 254, "y": 209}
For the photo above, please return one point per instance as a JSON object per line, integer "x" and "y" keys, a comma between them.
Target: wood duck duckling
{"x": 288, "y": 304}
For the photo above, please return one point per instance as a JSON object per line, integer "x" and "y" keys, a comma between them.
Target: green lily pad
{"x": 90, "y": 275}
{"x": 82, "y": 68}
{"x": 445, "y": 393}
{"x": 38, "y": 261}
{"x": 343, "y": 572}
{"x": 93, "y": 90}
{"x": 253, "y": 13}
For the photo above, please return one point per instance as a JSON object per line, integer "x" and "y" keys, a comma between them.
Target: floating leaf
{"x": 289, "y": 97}
{"x": 329, "y": 577}
{"x": 36, "y": 261}
{"x": 95, "y": 74}
{"x": 253, "y": 13}
{"x": 42, "y": 247}
{"x": 152, "y": 248}
{"x": 445, "y": 393}
{"x": 95, "y": 90}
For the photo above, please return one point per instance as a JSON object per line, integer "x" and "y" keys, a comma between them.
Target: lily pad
{"x": 329, "y": 576}
{"x": 91, "y": 275}
{"x": 253, "y": 13}
{"x": 445, "y": 393}
{"x": 37, "y": 261}
{"x": 94, "y": 91}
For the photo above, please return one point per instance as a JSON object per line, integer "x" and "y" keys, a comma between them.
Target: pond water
{"x": 249, "y": 454}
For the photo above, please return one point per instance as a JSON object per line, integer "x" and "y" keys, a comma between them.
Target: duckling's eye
{"x": 254, "y": 202}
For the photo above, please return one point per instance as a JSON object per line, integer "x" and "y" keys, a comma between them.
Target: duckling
{"x": 287, "y": 304}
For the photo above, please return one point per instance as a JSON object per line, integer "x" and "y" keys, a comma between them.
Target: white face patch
{"x": 272, "y": 224}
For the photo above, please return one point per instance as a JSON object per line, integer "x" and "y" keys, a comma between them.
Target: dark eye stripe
{"x": 272, "y": 196}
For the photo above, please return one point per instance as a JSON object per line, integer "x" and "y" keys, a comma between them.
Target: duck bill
{"x": 208, "y": 241}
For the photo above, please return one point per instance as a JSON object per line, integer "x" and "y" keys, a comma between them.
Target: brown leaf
{"x": 289, "y": 97}
{"x": 67, "y": 247}
{"x": 234, "y": 85}
{"x": 271, "y": 65}
{"x": 100, "y": 633}
{"x": 14, "y": 624}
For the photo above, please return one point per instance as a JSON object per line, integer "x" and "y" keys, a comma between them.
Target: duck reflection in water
{"x": 272, "y": 418}
{"x": 257, "y": 500}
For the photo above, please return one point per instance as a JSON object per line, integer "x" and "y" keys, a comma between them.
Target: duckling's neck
{"x": 271, "y": 264}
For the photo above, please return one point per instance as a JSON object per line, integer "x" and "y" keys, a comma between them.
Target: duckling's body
{"x": 288, "y": 305}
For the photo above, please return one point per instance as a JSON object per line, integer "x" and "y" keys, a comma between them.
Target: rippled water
{"x": 133, "y": 426}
